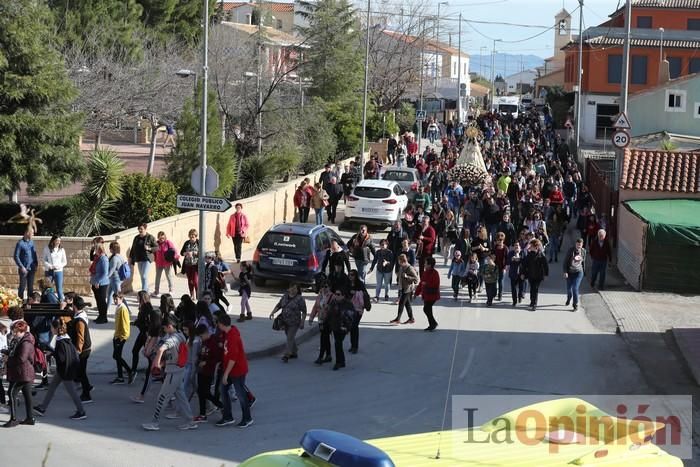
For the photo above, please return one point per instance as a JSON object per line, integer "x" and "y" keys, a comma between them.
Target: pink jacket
{"x": 231, "y": 227}
{"x": 160, "y": 253}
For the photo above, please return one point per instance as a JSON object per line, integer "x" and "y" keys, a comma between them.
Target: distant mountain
{"x": 506, "y": 64}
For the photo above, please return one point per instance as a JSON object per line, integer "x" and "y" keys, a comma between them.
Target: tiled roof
{"x": 272, "y": 6}
{"x": 666, "y": 4}
{"x": 677, "y": 172}
{"x": 668, "y": 43}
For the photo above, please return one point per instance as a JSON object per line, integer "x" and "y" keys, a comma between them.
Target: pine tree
{"x": 184, "y": 158}
{"x": 38, "y": 131}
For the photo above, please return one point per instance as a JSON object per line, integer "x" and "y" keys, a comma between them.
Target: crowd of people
{"x": 511, "y": 225}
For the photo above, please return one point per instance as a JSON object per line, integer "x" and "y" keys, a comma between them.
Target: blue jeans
{"x": 58, "y": 281}
{"x": 383, "y": 278}
{"x": 573, "y": 282}
{"x": 115, "y": 285}
{"x": 238, "y": 383}
{"x": 598, "y": 270}
{"x": 144, "y": 267}
{"x": 319, "y": 216}
{"x": 553, "y": 248}
{"x": 361, "y": 266}
{"x": 26, "y": 281}
{"x": 400, "y": 163}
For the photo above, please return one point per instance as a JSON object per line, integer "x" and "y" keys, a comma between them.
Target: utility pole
{"x": 625, "y": 85}
{"x": 459, "y": 70}
{"x": 258, "y": 88}
{"x": 364, "y": 97}
{"x": 422, "y": 69}
{"x": 203, "y": 147}
{"x": 437, "y": 41}
{"x": 579, "y": 94}
{"x": 493, "y": 77}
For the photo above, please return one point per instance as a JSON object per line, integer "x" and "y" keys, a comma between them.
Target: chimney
{"x": 664, "y": 72}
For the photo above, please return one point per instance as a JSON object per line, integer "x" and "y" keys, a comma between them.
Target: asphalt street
{"x": 397, "y": 384}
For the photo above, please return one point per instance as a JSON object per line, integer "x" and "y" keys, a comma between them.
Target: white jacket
{"x": 54, "y": 260}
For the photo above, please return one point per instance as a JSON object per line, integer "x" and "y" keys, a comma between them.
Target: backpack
{"x": 183, "y": 354}
{"x": 40, "y": 365}
{"x": 124, "y": 271}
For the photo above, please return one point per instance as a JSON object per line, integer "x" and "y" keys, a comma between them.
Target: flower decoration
{"x": 8, "y": 299}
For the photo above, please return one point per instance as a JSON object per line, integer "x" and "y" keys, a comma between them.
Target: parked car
{"x": 376, "y": 202}
{"x": 292, "y": 252}
{"x": 501, "y": 441}
{"x": 404, "y": 177}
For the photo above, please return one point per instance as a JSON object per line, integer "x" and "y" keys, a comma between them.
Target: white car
{"x": 378, "y": 202}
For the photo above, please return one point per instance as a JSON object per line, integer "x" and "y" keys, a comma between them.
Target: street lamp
{"x": 185, "y": 73}
{"x": 437, "y": 40}
{"x": 481, "y": 59}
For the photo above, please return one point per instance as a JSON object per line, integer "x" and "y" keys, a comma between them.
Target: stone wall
{"x": 264, "y": 210}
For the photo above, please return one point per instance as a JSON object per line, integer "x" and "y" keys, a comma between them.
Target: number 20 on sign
{"x": 621, "y": 139}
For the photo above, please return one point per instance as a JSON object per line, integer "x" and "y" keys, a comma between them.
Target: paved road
{"x": 397, "y": 384}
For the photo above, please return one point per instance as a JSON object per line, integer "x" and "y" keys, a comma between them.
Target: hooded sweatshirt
{"x": 79, "y": 332}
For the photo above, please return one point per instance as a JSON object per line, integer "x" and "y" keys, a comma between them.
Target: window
{"x": 675, "y": 65}
{"x": 605, "y": 113}
{"x": 614, "y": 69}
{"x": 563, "y": 27}
{"x": 694, "y": 65}
{"x": 644, "y": 22}
{"x": 693, "y": 24}
{"x": 279, "y": 24}
{"x": 639, "y": 69}
{"x": 675, "y": 100}
{"x": 697, "y": 110}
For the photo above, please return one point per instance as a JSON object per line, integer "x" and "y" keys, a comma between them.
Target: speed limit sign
{"x": 621, "y": 139}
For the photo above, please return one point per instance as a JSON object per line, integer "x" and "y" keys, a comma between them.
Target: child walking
{"x": 244, "y": 278}
{"x": 457, "y": 271}
{"x": 490, "y": 278}
{"x": 210, "y": 356}
{"x": 122, "y": 330}
{"x": 472, "y": 276}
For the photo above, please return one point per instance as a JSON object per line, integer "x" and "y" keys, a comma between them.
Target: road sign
{"x": 622, "y": 122}
{"x": 203, "y": 203}
{"x": 420, "y": 115}
{"x": 212, "y": 180}
{"x": 621, "y": 139}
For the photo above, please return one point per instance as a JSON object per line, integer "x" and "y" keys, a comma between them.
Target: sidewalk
{"x": 258, "y": 337}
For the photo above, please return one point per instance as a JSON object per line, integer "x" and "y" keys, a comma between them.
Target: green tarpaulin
{"x": 672, "y": 255}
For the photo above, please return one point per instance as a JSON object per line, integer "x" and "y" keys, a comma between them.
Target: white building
{"x": 521, "y": 83}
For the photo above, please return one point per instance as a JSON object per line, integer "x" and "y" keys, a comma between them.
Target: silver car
{"x": 404, "y": 177}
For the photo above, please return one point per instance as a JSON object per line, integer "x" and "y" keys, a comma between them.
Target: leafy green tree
{"x": 316, "y": 136}
{"x": 185, "y": 157}
{"x": 38, "y": 130}
{"x": 180, "y": 19}
{"x": 93, "y": 210}
{"x": 145, "y": 199}
{"x": 333, "y": 59}
{"x": 405, "y": 117}
{"x": 98, "y": 25}
{"x": 346, "y": 117}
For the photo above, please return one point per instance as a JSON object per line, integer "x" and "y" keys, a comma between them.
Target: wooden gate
{"x": 599, "y": 177}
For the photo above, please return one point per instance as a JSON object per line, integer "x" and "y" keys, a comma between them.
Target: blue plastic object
{"x": 343, "y": 450}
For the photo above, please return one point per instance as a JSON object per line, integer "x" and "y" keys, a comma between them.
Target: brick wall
{"x": 264, "y": 210}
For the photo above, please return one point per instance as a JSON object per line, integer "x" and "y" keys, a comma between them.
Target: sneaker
{"x": 11, "y": 424}
{"x": 245, "y": 423}
{"x": 409, "y": 321}
{"x": 132, "y": 377}
{"x": 248, "y": 317}
{"x": 211, "y": 410}
{"x": 39, "y": 411}
{"x": 386, "y": 298}
{"x": 153, "y": 426}
{"x": 225, "y": 422}
{"x": 188, "y": 426}
{"x": 117, "y": 381}
{"x": 78, "y": 416}
{"x": 575, "y": 308}
{"x": 172, "y": 416}
{"x": 85, "y": 399}
{"x": 395, "y": 321}
{"x": 28, "y": 421}
{"x": 200, "y": 419}
{"x": 568, "y": 300}
{"x": 137, "y": 399}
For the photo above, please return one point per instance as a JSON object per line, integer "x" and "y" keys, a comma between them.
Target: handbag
{"x": 246, "y": 239}
{"x": 278, "y": 324}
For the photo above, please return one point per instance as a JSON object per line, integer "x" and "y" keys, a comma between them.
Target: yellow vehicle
{"x": 539, "y": 435}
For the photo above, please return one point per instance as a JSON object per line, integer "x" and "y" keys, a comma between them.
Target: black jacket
{"x": 395, "y": 238}
{"x": 380, "y": 256}
{"x": 67, "y": 359}
{"x": 535, "y": 266}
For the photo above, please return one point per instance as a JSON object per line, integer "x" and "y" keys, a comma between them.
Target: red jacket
{"x": 302, "y": 199}
{"x": 211, "y": 354}
{"x": 556, "y": 197}
{"x": 233, "y": 351}
{"x": 429, "y": 237}
{"x": 429, "y": 286}
{"x": 231, "y": 227}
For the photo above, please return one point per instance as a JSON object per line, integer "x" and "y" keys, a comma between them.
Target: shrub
{"x": 145, "y": 199}
{"x": 256, "y": 176}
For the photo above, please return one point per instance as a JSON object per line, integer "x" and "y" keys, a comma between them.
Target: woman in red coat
{"x": 429, "y": 289}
